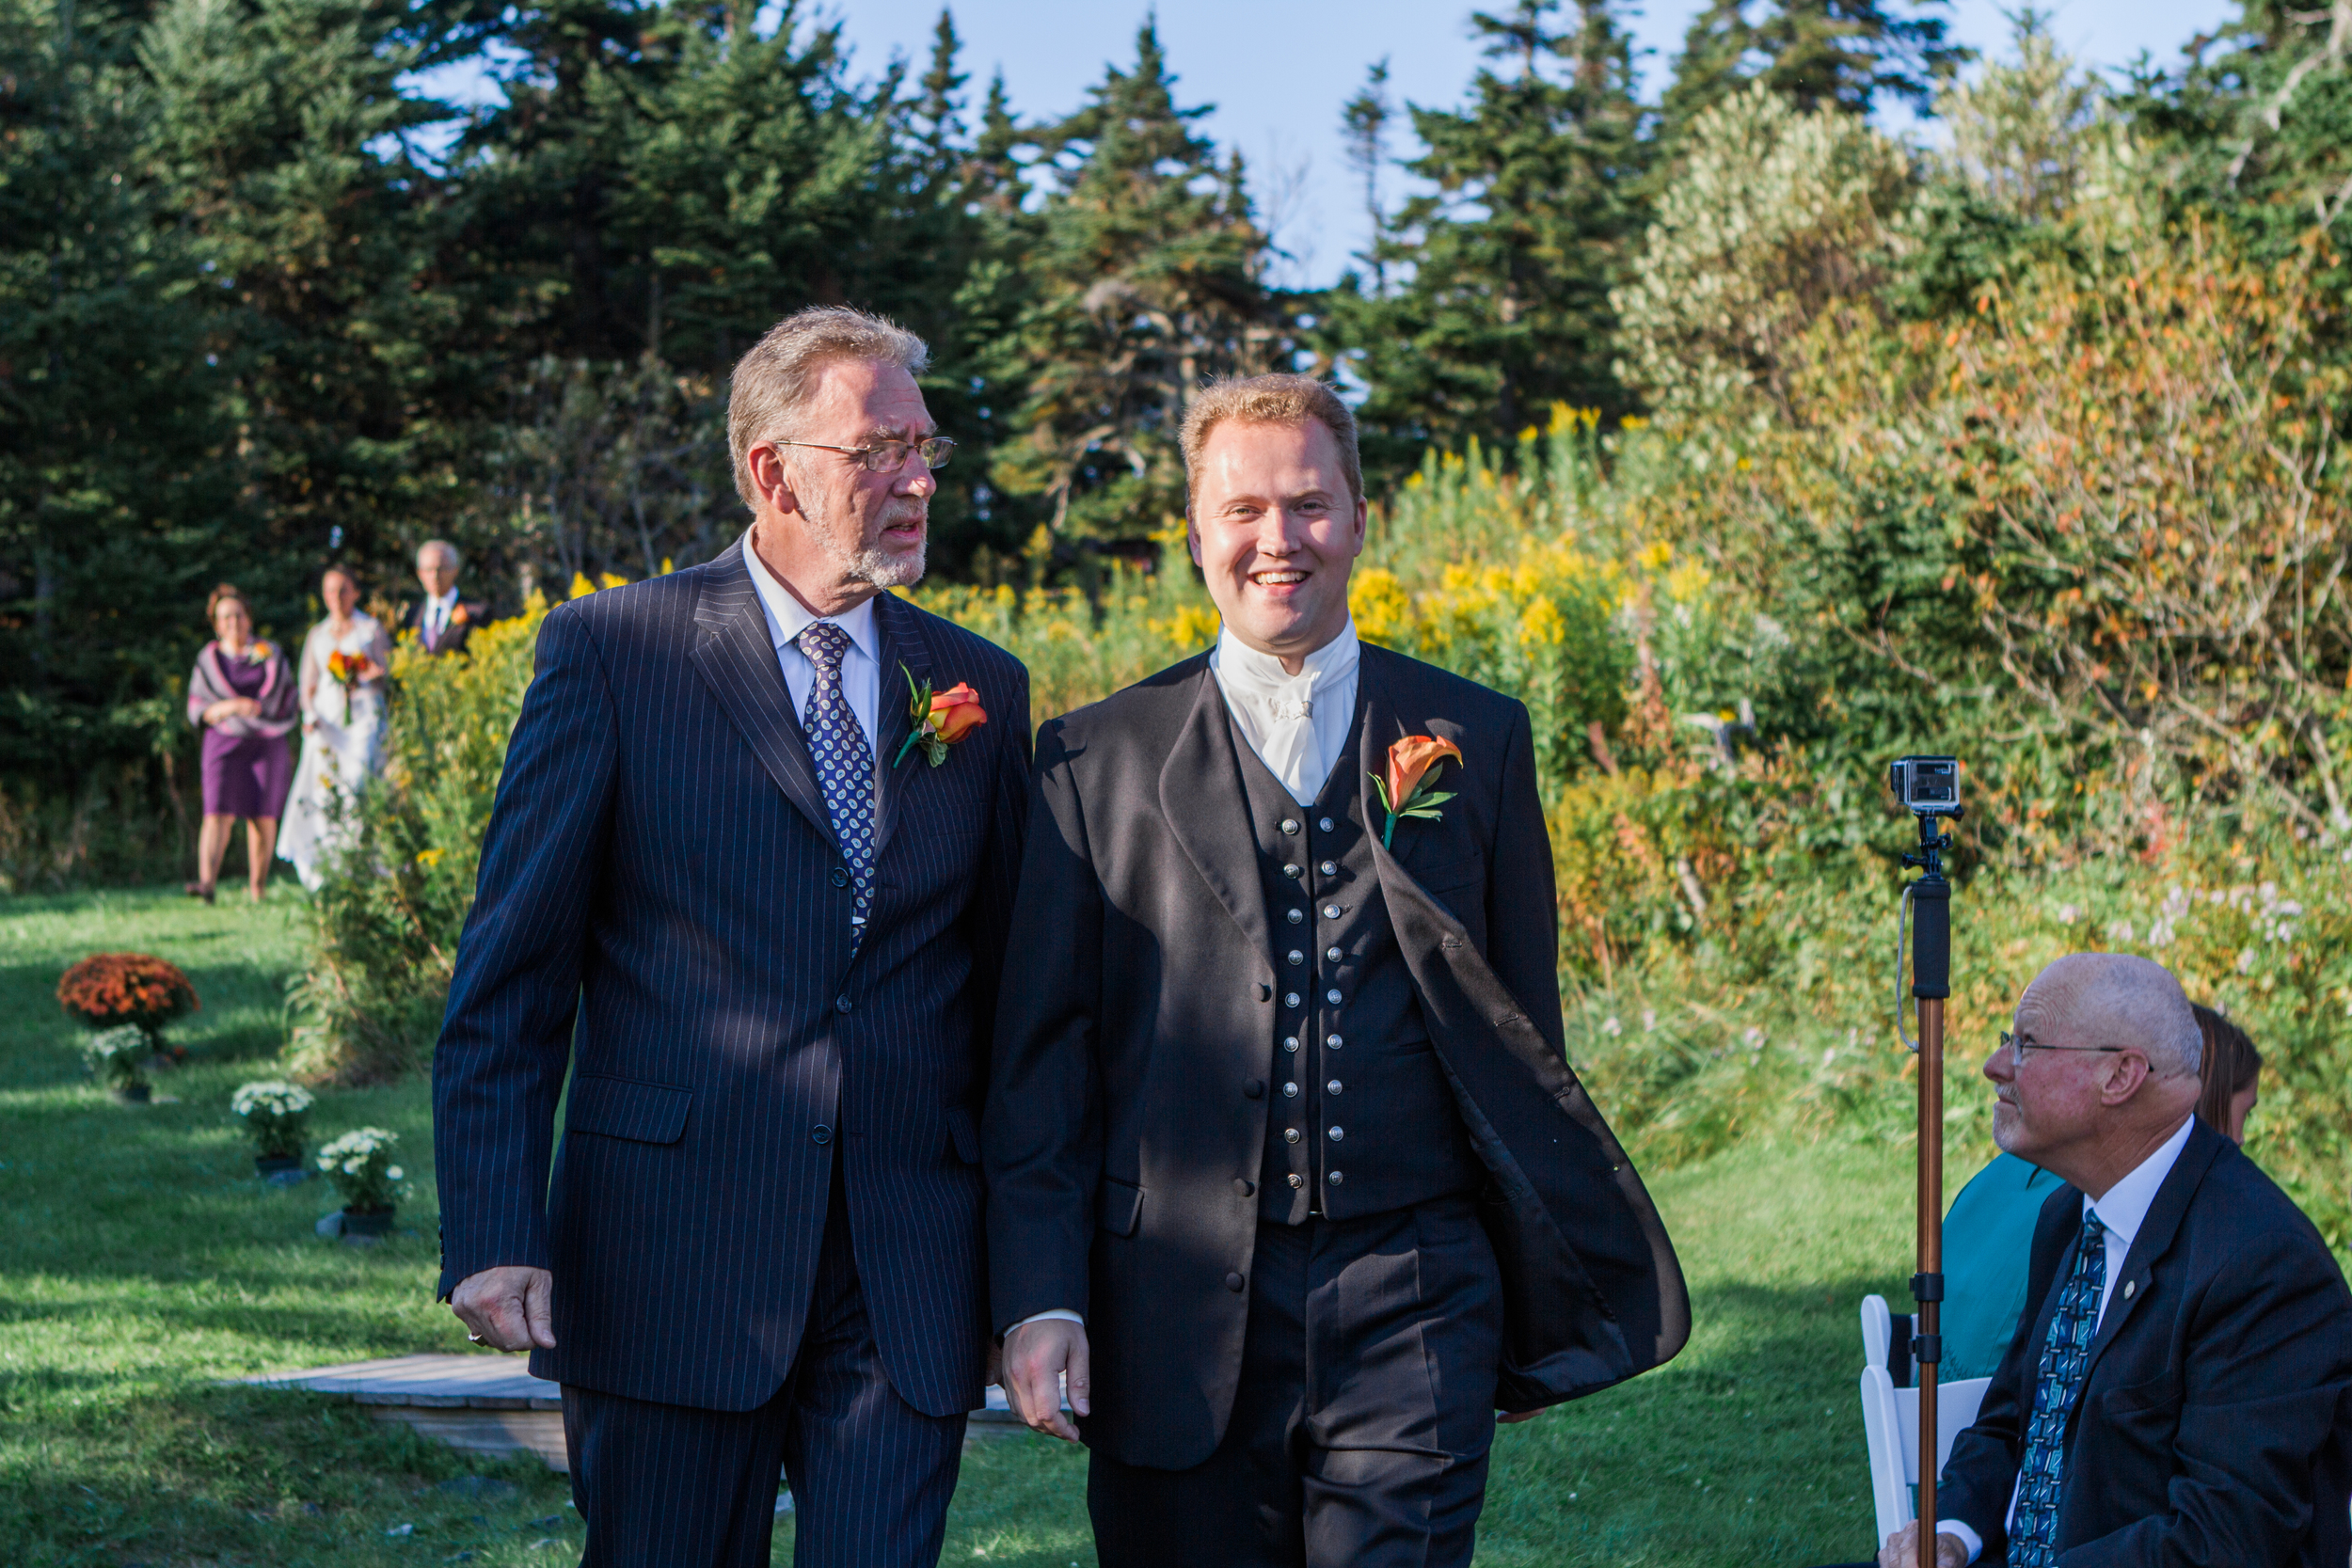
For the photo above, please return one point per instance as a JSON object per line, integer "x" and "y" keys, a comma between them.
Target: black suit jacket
{"x": 2213, "y": 1424}
{"x": 1137, "y": 1005}
{"x": 453, "y": 636}
{"x": 662, "y": 908}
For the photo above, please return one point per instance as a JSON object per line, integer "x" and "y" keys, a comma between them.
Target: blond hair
{"x": 1290, "y": 400}
{"x": 773, "y": 383}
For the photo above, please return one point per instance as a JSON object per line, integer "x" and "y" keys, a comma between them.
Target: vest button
{"x": 1331, "y": 912}
{"x": 1297, "y": 915}
{"x": 1254, "y": 1089}
{"x": 841, "y": 1004}
{"x": 1296, "y": 956}
{"x": 1289, "y": 1136}
{"x": 1338, "y": 1133}
{"x": 1332, "y": 954}
{"x": 1243, "y": 1185}
{"x": 1293, "y": 869}
{"x": 840, "y": 878}
{"x": 1290, "y": 1042}
{"x": 1289, "y": 826}
{"x": 1336, "y": 1177}
{"x": 1331, "y": 1041}
{"x": 1297, "y": 1180}
{"x": 1232, "y": 1282}
{"x": 1290, "y": 999}
{"x": 821, "y": 1135}
{"x": 1332, "y": 1088}
{"x": 1332, "y": 997}
{"x": 1329, "y": 868}
{"x": 1324, "y": 824}
{"x": 1290, "y": 1091}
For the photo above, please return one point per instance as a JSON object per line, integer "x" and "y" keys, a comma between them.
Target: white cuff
{"x": 1064, "y": 1315}
{"x": 1967, "y": 1537}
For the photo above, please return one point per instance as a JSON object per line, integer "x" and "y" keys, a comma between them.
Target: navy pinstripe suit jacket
{"x": 661, "y": 906}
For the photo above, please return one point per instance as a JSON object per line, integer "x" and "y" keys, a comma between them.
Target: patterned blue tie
{"x": 845, "y": 768}
{"x": 2033, "y": 1535}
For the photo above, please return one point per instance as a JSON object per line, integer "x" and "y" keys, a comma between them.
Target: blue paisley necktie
{"x": 2033, "y": 1534}
{"x": 845, "y": 768}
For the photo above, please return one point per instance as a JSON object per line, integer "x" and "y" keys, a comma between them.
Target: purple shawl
{"x": 209, "y": 684}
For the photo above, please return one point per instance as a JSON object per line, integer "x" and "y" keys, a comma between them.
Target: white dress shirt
{"x": 2123, "y": 1211}
{"x": 1296, "y": 724}
{"x": 438, "y": 607}
{"x": 861, "y": 666}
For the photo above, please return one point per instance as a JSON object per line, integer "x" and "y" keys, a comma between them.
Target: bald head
{"x": 2103, "y": 1070}
{"x": 2092, "y": 999}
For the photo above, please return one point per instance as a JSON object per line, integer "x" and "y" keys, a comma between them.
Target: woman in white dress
{"x": 342, "y": 677}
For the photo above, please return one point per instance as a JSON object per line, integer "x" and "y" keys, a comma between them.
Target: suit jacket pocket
{"x": 963, "y": 1134}
{"x": 1117, "y": 1206}
{"x": 626, "y": 1108}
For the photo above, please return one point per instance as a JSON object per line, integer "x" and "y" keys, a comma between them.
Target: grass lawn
{"x": 141, "y": 1264}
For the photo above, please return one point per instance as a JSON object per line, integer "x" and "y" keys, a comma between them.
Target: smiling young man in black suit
{"x": 1287, "y": 1171}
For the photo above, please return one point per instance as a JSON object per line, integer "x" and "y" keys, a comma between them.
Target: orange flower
{"x": 339, "y": 665}
{"x": 458, "y": 616}
{"x": 957, "y": 712}
{"x": 1409, "y": 761}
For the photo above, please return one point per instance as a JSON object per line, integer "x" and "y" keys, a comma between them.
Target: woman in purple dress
{"x": 242, "y": 697}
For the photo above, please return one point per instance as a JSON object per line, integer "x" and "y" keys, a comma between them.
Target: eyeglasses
{"x": 888, "y": 457}
{"x": 2017, "y": 1046}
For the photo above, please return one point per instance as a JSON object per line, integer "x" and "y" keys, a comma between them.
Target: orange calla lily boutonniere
{"x": 458, "y": 616}
{"x": 1405, "y": 791}
{"x": 941, "y": 719}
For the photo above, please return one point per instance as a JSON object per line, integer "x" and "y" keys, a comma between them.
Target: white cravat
{"x": 861, "y": 666}
{"x": 1296, "y": 724}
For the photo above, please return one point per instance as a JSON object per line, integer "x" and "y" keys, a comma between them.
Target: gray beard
{"x": 877, "y": 566}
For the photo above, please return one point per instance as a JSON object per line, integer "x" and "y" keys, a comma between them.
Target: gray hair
{"x": 772, "y": 384}
{"x": 2121, "y": 1001}
{"x": 447, "y": 550}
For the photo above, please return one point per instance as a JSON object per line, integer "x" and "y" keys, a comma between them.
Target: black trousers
{"x": 669, "y": 1486}
{"x": 1360, "y": 1429}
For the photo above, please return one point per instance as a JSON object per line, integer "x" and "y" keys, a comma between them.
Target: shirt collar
{"x": 787, "y": 617}
{"x": 1328, "y": 664}
{"x": 2124, "y": 1208}
{"x": 443, "y": 602}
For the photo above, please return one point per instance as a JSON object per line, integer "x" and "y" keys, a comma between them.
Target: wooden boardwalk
{"x": 486, "y": 1402}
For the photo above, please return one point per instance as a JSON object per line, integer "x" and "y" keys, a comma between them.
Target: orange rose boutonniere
{"x": 1404, "y": 792}
{"x": 458, "y": 616}
{"x": 941, "y": 719}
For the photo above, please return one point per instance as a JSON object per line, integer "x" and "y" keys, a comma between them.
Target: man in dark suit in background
{"x": 2179, "y": 1389}
{"x": 1287, "y": 1171}
{"x": 441, "y": 620}
{"x": 737, "y": 884}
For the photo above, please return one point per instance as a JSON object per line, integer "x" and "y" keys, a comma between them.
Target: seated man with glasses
{"x": 2178, "y": 1386}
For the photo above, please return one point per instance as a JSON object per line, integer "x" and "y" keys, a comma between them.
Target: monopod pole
{"x": 1931, "y": 968}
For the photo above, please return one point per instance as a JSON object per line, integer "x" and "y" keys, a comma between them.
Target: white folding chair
{"x": 1890, "y": 1421}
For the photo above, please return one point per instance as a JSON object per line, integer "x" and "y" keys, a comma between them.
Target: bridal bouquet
{"x": 350, "y": 669}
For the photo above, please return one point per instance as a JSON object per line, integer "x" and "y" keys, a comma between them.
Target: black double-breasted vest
{"x": 1360, "y": 1119}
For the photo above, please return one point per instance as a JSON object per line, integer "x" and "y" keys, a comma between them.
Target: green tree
{"x": 1499, "y": 304}
{"x": 1146, "y": 275}
{"x": 1847, "y": 54}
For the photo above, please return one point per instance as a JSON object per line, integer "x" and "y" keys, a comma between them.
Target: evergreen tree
{"x": 1503, "y": 306}
{"x": 1847, "y": 52}
{"x": 1145, "y": 275}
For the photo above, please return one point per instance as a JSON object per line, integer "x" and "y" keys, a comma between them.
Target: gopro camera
{"x": 1927, "y": 786}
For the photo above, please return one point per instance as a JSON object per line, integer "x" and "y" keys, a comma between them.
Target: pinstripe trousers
{"x": 671, "y": 1486}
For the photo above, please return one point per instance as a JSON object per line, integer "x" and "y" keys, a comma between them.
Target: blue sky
{"x": 1278, "y": 71}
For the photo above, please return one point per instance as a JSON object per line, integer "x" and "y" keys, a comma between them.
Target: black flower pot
{"x": 374, "y": 1222}
{"x": 135, "y": 1094}
{"x": 280, "y": 1170}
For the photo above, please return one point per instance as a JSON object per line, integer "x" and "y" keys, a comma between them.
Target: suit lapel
{"x": 1202, "y": 796}
{"x": 732, "y": 653}
{"x": 898, "y": 636}
{"x": 2163, "y": 1222}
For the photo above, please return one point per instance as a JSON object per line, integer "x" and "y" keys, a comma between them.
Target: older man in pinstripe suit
{"x": 741, "y": 889}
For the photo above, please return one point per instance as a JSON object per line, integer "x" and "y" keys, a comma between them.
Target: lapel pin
{"x": 2129, "y": 1285}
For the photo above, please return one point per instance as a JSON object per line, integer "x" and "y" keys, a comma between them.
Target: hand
{"x": 1512, "y": 1418}
{"x": 243, "y": 707}
{"x": 511, "y": 1306}
{"x": 1035, "y": 1356}
{"x": 1902, "y": 1549}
